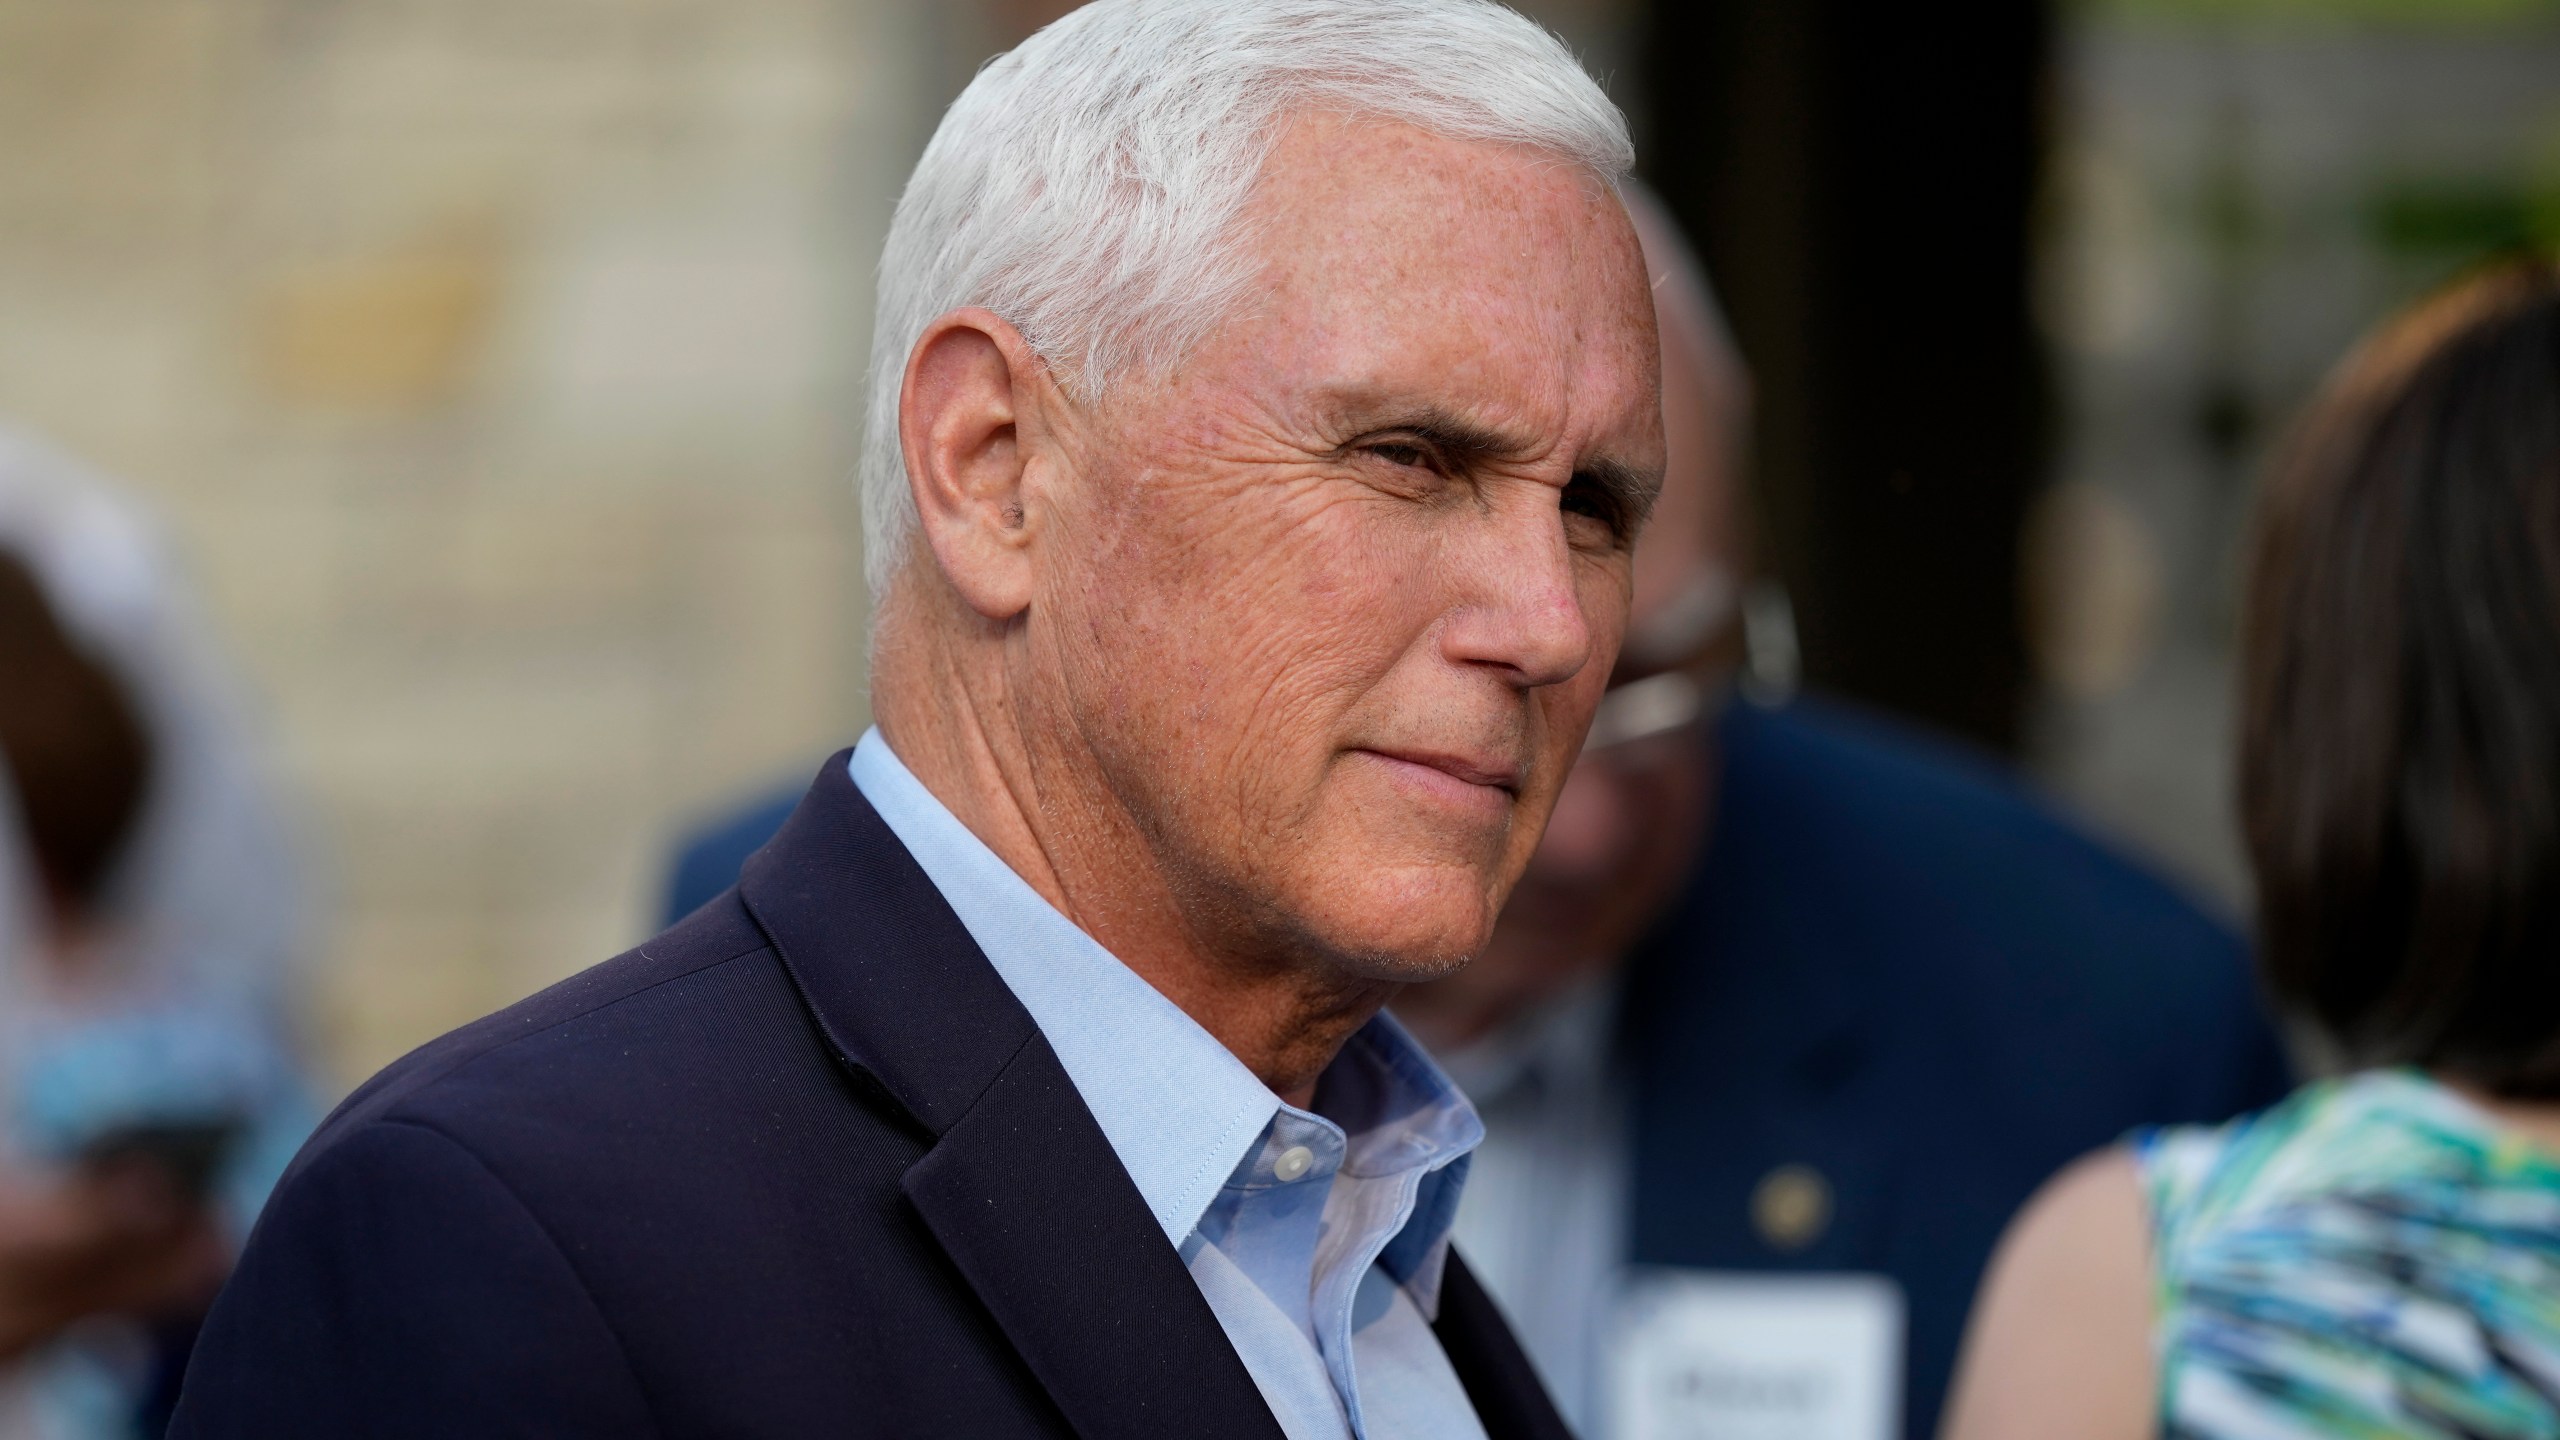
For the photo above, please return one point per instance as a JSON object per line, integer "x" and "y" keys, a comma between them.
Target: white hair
{"x": 1085, "y": 186}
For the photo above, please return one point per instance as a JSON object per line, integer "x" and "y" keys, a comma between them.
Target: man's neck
{"x": 1051, "y": 818}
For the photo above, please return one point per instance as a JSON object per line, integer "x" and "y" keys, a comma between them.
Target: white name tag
{"x": 1716, "y": 1355}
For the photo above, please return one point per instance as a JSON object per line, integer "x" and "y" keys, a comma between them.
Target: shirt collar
{"x": 1406, "y": 1113}
{"x": 1179, "y": 1110}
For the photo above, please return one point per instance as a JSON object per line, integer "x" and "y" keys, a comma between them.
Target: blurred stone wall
{"x": 495, "y": 363}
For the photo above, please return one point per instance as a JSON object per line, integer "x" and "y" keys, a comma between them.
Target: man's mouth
{"x": 1473, "y": 780}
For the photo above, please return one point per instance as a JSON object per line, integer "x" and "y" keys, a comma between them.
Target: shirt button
{"x": 1293, "y": 1162}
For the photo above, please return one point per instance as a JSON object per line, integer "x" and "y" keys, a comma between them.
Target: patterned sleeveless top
{"x": 2373, "y": 1257}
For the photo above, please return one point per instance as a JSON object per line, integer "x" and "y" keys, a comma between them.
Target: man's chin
{"x": 1402, "y": 939}
{"x": 1366, "y": 913}
{"x": 1403, "y": 967}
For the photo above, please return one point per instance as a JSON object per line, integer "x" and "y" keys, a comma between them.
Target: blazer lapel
{"x": 1032, "y": 1205}
{"x": 1500, "y": 1381}
{"x": 1020, "y": 1186}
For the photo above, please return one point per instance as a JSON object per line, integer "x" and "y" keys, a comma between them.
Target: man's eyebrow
{"x": 1630, "y": 489}
{"x": 1463, "y": 440}
{"x": 1455, "y": 436}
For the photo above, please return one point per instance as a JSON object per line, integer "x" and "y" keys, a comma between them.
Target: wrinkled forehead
{"x": 1502, "y": 279}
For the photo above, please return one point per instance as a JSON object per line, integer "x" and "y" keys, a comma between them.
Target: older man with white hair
{"x": 1265, "y": 407}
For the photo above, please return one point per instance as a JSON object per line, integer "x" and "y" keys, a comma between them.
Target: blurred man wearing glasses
{"x": 1794, "y": 1007}
{"x": 1791, "y": 1011}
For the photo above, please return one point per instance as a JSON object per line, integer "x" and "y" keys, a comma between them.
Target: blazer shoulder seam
{"x": 758, "y": 947}
{"x": 464, "y": 1061}
{"x": 534, "y": 1218}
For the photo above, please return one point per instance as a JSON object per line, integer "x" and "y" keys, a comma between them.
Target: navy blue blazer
{"x": 1893, "y": 966}
{"x": 802, "y": 1165}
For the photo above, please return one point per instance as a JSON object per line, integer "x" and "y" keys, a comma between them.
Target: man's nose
{"x": 1520, "y": 610}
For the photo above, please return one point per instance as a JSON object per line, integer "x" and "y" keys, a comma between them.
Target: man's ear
{"x": 971, "y": 386}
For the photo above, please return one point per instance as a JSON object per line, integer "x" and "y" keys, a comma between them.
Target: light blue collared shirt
{"x": 1318, "y": 1238}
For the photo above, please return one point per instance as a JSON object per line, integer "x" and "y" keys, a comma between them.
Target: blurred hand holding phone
{"x": 115, "y": 1238}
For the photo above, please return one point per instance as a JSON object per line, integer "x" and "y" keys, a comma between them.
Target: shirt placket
{"x": 1362, "y": 1200}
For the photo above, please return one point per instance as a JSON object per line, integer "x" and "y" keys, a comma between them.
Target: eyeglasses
{"x": 1676, "y": 668}
{"x": 1656, "y": 688}
{"x": 1642, "y": 709}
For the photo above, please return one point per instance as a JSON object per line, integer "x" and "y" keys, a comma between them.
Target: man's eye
{"x": 1397, "y": 453}
{"x": 1587, "y": 499}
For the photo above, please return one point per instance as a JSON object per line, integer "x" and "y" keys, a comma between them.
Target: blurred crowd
{"x": 1798, "y": 1011}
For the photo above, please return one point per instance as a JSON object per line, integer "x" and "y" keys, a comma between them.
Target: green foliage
{"x": 2427, "y": 14}
{"x": 2436, "y": 218}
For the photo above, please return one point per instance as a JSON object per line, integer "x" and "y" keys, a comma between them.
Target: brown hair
{"x": 79, "y": 759}
{"x": 2400, "y": 749}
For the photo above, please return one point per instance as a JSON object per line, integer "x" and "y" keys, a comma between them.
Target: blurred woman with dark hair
{"x": 2380, "y": 1254}
{"x": 92, "y": 1239}
{"x": 149, "y": 916}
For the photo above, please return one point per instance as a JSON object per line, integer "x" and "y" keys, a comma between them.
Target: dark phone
{"x": 190, "y": 1152}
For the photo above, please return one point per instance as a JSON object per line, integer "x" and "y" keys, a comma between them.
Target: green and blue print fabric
{"x": 2374, "y": 1257}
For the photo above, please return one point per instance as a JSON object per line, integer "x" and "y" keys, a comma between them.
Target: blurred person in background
{"x": 2378, "y": 1255}
{"x": 1794, "y": 1008}
{"x": 148, "y": 914}
{"x": 1790, "y": 1002}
